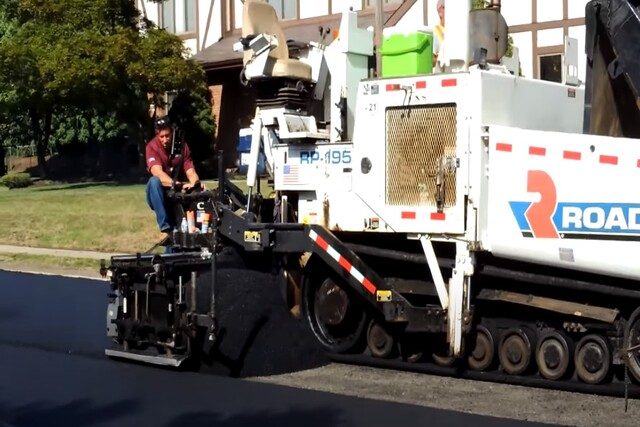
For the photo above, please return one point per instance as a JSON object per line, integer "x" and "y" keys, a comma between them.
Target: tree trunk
{"x": 3, "y": 169}
{"x": 135, "y": 134}
{"x": 41, "y": 148}
{"x": 94, "y": 149}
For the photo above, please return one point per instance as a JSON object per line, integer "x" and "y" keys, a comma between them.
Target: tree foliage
{"x": 89, "y": 61}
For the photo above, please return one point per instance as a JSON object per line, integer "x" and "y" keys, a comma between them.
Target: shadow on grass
{"x": 82, "y": 185}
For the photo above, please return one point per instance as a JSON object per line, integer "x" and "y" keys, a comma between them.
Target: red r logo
{"x": 539, "y": 214}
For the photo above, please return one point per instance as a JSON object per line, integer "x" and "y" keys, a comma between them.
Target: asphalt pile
{"x": 257, "y": 334}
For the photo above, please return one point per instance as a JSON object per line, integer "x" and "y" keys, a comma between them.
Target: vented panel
{"x": 421, "y": 141}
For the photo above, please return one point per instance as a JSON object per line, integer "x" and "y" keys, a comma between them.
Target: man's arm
{"x": 155, "y": 167}
{"x": 165, "y": 179}
{"x": 189, "y": 169}
{"x": 192, "y": 176}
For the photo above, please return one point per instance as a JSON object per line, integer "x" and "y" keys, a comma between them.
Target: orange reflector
{"x": 537, "y": 151}
{"x": 408, "y": 215}
{"x": 449, "y": 82}
{"x": 501, "y": 146}
{"x": 572, "y": 155}
{"x": 438, "y": 216}
{"x": 609, "y": 160}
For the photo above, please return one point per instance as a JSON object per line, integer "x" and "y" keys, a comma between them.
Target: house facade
{"x": 538, "y": 28}
{"x": 209, "y": 28}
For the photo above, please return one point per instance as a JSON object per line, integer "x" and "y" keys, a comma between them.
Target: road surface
{"x": 53, "y": 372}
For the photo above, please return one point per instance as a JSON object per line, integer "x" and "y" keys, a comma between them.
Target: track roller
{"x": 410, "y": 350}
{"x": 592, "y": 359}
{"x": 380, "y": 342}
{"x": 553, "y": 355}
{"x": 335, "y": 317}
{"x": 440, "y": 355}
{"x": 483, "y": 349}
{"x": 515, "y": 351}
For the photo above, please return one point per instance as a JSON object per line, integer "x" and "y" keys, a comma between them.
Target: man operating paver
{"x": 170, "y": 167}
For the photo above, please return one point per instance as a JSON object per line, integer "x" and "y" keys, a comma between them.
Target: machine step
{"x": 163, "y": 360}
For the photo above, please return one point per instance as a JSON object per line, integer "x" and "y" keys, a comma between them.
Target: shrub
{"x": 16, "y": 180}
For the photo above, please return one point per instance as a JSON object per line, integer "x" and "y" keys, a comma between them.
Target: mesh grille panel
{"x": 421, "y": 143}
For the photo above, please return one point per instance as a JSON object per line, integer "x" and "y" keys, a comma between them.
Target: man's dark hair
{"x": 161, "y": 123}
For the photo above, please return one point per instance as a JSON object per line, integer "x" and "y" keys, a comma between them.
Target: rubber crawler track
{"x": 615, "y": 389}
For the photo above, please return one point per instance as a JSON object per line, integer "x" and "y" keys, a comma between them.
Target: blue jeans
{"x": 155, "y": 200}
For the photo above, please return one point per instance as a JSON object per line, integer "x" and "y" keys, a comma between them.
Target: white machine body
{"x": 481, "y": 158}
{"x": 513, "y": 166}
{"x": 520, "y": 180}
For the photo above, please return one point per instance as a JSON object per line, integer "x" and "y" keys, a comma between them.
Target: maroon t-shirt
{"x": 157, "y": 155}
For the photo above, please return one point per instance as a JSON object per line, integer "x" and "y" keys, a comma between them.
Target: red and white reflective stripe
{"x": 566, "y": 154}
{"x": 343, "y": 262}
{"x": 421, "y": 84}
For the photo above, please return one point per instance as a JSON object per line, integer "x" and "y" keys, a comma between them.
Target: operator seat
{"x": 259, "y": 17}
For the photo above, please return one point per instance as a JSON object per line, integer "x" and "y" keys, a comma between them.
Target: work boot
{"x": 163, "y": 238}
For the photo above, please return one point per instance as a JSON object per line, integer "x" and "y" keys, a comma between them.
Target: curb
{"x": 69, "y": 253}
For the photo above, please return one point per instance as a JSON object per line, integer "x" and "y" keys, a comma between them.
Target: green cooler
{"x": 407, "y": 54}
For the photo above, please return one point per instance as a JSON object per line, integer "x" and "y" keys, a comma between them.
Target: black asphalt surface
{"x": 53, "y": 372}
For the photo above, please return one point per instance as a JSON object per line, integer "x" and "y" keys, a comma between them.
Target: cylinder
{"x": 194, "y": 291}
{"x": 488, "y": 30}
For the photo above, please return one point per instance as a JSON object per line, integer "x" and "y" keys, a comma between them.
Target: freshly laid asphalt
{"x": 53, "y": 372}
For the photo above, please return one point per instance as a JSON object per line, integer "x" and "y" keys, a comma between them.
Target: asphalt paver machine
{"x": 470, "y": 216}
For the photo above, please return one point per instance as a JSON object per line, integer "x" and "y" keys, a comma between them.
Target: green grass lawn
{"x": 101, "y": 217}
{"x": 50, "y": 264}
{"x": 66, "y": 263}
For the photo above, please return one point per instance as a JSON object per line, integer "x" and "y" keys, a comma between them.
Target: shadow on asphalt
{"x": 80, "y": 413}
{"x": 8, "y": 314}
{"x": 322, "y": 416}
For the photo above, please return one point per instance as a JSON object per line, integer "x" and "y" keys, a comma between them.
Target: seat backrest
{"x": 260, "y": 17}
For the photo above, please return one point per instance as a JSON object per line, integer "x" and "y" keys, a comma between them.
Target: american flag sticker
{"x": 291, "y": 174}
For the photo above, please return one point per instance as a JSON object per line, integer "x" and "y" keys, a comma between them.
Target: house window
{"x": 168, "y": 16}
{"x": 179, "y": 16}
{"x": 369, "y": 3}
{"x": 286, "y": 9}
{"x": 551, "y": 68}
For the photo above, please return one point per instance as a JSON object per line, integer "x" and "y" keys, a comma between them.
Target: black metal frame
{"x": 293, "y": 238}
{"x": 612, "y": 36}
{"x": 198, "y": 253}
